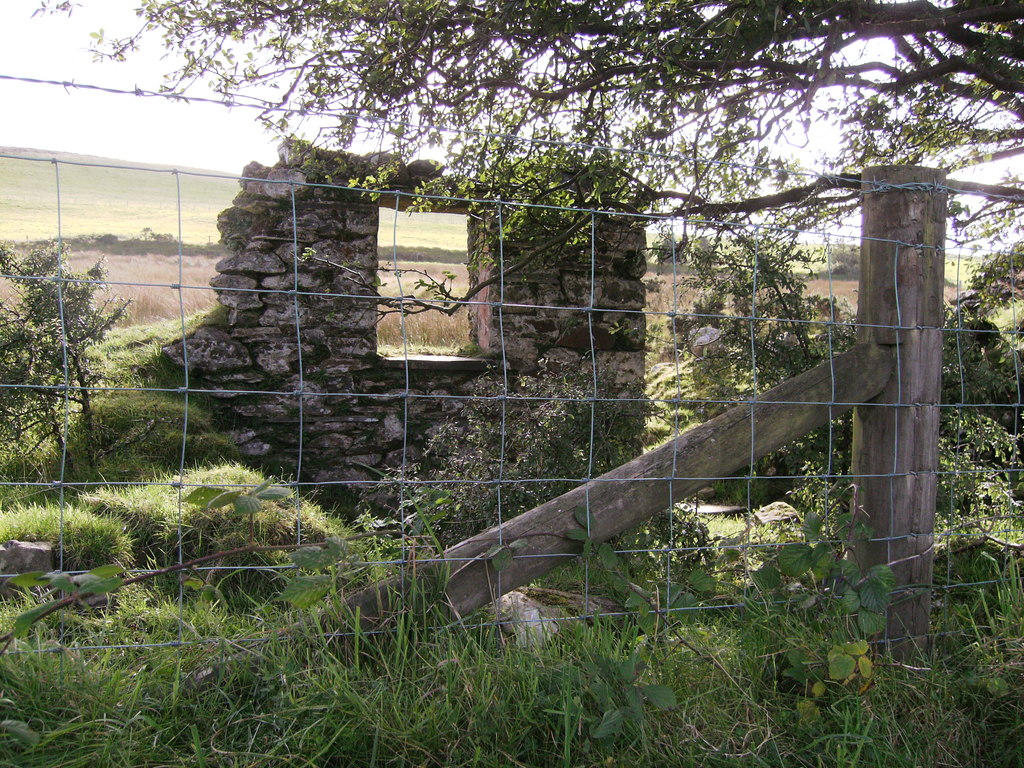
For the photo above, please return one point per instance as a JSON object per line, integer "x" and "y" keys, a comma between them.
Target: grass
{"x": 443, "y": 697}
{"x": 426, "y": 693}
{"x": 89, "y": 540}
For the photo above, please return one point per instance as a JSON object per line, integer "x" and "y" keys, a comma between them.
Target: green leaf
{"x": 24, "y": 621}
{"x": 812, "y": 525}
{"x": 20, "y": 731}
{"x": 883, "y": 575}
{"x": 609, "y": 559}
{"x": 500, "y": 560}
{"x": 702, "y": 582}
{"x": 211, "y": 497}
{"x": 193, "y": 582}
{"x": 822, "y": 558}
{"x": 305, "y": 591}
{"x": 610, "y": 724}
{"x": 807, "y": 601}
{"x": 766, "y": 578}
{"x": 273, "y": 493}
{"x": 870, "y": 623}
{"x": 840, "y": 665}
{"x": 582, "y": 517}
{"x": 795, "y": 559}
{"x": 661, "y": 696}
{"x": 856, "y": 647}
{"x": 29, "y": 580}
{"x": 682, "y": 599}
{"x": 849, "y": 602}
{"x": 577, "y": 534}
{"x": 105, "y": 571}
{"x": 875, "y": 589}
{"x": 846, "y": 570}
{"x": 312, "y": 558}
{"x": 94, "y": 585}
{"x": 247, "y": 505}
{"x": 210, "y": 594}
{"x": 62, "y": 582}
{"x": 318, "y": 558}
{"x": 865, "y": 667}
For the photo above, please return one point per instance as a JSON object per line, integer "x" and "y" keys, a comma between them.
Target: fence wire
{"x": 58, "y": 487}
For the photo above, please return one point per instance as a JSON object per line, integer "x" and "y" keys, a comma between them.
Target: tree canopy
{"x": 685, "y": 84}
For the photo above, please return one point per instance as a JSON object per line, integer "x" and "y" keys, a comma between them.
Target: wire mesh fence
{"x": 299, "y": 371}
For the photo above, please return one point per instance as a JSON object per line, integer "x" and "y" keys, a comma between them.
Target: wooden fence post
{"x": 896, "y": 438}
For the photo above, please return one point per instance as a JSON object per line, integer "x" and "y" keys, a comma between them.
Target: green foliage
{"x": 511, "y": 448}
{"x": 687, "y": 80}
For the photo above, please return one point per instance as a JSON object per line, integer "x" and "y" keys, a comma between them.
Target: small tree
{"x": 52, "y": 318}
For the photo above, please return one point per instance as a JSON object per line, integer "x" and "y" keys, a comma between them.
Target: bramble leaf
{"x": 661, "y": 696}
{"x": 24, "y": 621}
{"x": 247, "y": 505}
{"x": 795, "y": 559}
{"x": 875, "y": 589}
{"x": 211, "y": 498}
{"x": 273, "y": 493}
{"x": 28, "y": 580}
{"x": 609, "y": 559}
{"x": 305, "y": 591}
{"x": 840, "y": 665}
{"x": 582, "y": 516}
{"x": 317, "y": 558}
{"x": 869, "y": 622}
{"x": 702, "y": 582}
{"x": 610, "y": 724}
{"x": 766, "y": 578}
{"x": 501, "y": 559}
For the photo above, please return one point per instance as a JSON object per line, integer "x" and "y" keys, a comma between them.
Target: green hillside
{"x": 96, "y": 199}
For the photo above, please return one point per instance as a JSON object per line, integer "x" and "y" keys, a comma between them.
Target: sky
{"x": 149, "y": 130}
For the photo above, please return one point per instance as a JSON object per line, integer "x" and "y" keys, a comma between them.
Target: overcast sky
{"x": 149, "y": 130}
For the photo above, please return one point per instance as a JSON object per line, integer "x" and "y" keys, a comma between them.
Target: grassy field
{"x": 96, "y": 200}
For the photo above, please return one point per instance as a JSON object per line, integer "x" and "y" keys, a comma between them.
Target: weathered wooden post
{"x": 896, "y": 438}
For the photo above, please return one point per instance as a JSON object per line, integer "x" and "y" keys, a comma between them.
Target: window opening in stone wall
{"x": 422, "y": 255}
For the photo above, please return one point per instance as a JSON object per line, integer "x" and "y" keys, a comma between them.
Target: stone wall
{"x": 586, "y": 306}
{"x": 295, "y": 363}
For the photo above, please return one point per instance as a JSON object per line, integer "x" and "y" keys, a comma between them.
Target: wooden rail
{"x": 647, "y": 486}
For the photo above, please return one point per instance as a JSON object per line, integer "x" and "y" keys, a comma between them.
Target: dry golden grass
{"x": 146, "y": 283}
{"x": 423, "y": 332}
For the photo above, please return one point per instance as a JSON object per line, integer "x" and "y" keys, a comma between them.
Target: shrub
{"x": 522, "y": 450}
{"x": 47, "y": 328}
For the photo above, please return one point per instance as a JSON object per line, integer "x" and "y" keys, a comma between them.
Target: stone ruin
{"x": 295, "y": 367}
